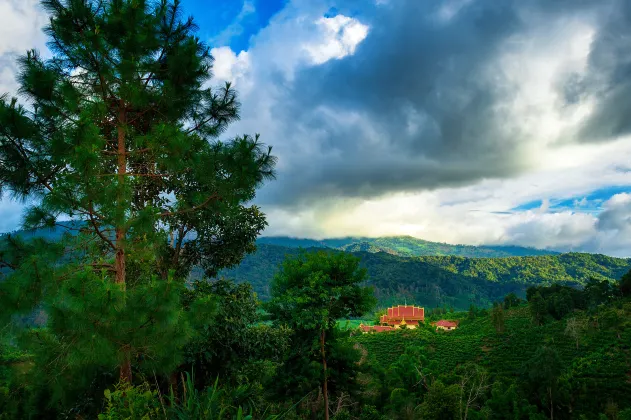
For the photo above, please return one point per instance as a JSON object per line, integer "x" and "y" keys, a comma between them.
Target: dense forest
{"x": 405, "y": 246}
{"x": 445, "y": 280}
{"x": 117, "y": 294}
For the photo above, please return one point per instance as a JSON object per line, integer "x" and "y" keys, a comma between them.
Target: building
{"x": 407, "y": 316}
{"x": 445, "y": 325}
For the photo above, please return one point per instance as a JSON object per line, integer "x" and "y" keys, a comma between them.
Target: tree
{"x": 473, "y": 385}
{"x": 543, "y": 373}
{"x": 309, "y": 295}
{"x": 506, "y": 403}
{"x": 599, "y": 292}
{"x": 119, "y": 133}
{"x": 511, "y": 300}
{"x": 497, "y": 316}
{"x": 625, "y": 284}
{"x": 230, "y": 342}
{"x": 575, "y": 327}
{"x": 538, "y": 308}
{"x": 440, "y": 402}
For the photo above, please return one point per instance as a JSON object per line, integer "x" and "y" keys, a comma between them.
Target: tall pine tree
{"x": 118, "y": 133}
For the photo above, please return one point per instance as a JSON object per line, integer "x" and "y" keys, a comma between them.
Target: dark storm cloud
{"x": 421, "y": 104}
{"x": 608, "y": 79}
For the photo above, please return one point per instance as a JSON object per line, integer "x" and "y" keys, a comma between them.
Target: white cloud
{"x": 340, "y": 36}
{"x": 21, "y": 23}
{"x": 230, "y": 67}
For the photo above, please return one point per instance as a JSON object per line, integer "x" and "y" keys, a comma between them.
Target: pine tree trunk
{"x": 119, "y": 263}
{"x": 551, "y": 405}
{"x": 325, "y": 391}
{"x": 125, "y": 367}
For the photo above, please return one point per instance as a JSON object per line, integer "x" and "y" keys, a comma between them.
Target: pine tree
{"x": 118, "y": 132}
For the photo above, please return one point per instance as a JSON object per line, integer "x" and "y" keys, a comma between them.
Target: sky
{"x": 459, "y": 121}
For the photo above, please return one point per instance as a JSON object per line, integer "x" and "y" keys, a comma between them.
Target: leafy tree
{"x": 472, "y": 311}
{"x": 625, "y": 284}
{"x": 507, "y": 403}
{"x": 230, "y": 343}
{"x": 309, "y": 295}
{"x": 473, "y": 383}
{"x": 543, "y": 376}
{"x": 497, "y": 316}
{"x": 511, "y": 300}
{"x": 575, "y": 327}
{"x": 440, "y": 402}
{"x": 599, "y": 292}
{"x": 538, "y": 308}
{"x": 119, "y": 133}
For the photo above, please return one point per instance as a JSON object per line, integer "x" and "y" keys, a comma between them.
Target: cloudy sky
{"x": 460, "y": 121}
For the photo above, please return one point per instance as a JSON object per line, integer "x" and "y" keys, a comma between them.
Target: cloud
{"x": 21, "y": 23}
{"x": 415, "y": 95}
{"x": 438, "y": 119}
{"x": 438, "y": 109}
{"x": 341, "y": 36}
{"x": 606, "y": 81}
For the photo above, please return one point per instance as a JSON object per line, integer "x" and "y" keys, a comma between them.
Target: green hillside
{"x": 446, "y": 280}
{"x": 595, "y": 369}
{"x": 405, "y": 246}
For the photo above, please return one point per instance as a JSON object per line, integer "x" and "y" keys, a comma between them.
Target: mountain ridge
{"x": 405, "y": 246}
{"x": 439, "y": 280}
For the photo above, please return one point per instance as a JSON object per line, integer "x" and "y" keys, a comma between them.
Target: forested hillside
{"x": 575, "y": 367}
{"x": 446, "y": 280}
{"x": 405, "y": 246}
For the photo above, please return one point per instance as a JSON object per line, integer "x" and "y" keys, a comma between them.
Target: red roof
{"x": 407, "y": 312}
{"x": 444, "y": 323}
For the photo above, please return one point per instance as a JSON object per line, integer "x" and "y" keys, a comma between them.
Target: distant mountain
{"x": 444, "y": 280}
{"x": 405, "y": 246}
{"x": 426, "y": 273}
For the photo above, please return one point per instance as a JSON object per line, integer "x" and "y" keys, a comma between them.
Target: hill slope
{"x": 405, "y": 246}
{"x": 596, "y": 367}
{"x": 446, "y": 280}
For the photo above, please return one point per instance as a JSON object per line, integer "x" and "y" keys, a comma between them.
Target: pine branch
{"x": 191, "y": 209}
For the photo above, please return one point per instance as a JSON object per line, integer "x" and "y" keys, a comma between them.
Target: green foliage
{"x": 581, "y": 379}
{"x": 119, "y": 133}
{"x": 140, "y": 402}
{"x": 497, "y": 317}
{"x": 231, "y": 342}
{"x": 132, "y": 403}
{"x": 511, "y": 300}
{"x": 434, "y": 281}
{"x": 310, "y": 294}
{"x": 625, "y": 284}
{"x": 440, "y": 403}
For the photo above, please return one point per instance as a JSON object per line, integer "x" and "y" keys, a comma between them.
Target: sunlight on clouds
{"x": 533, "y": 63}
{"x": 230, "y": 67}
{"x": 341, "y": 35}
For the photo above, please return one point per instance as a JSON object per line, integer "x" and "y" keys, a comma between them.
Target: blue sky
{"x": 459, "y": 121}
{"x": 231, "y": 22}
